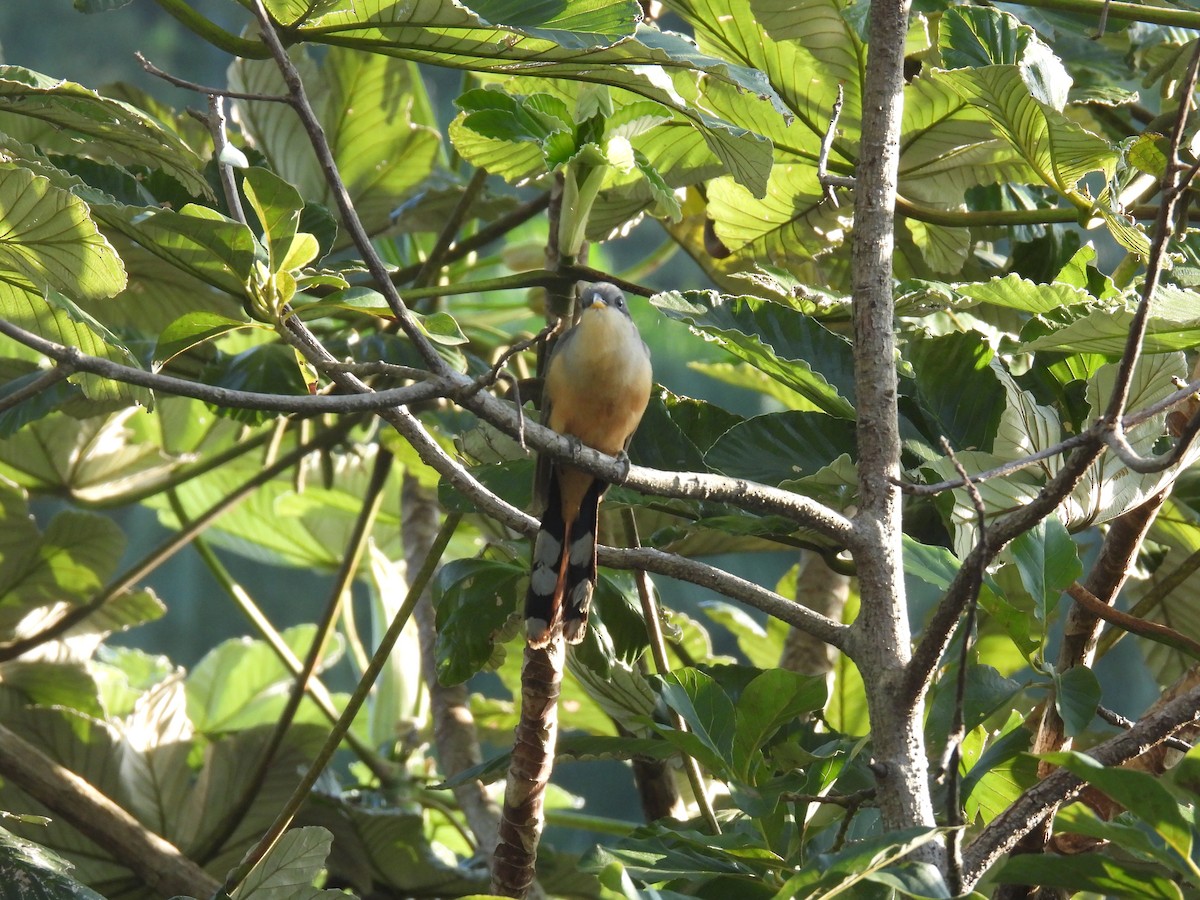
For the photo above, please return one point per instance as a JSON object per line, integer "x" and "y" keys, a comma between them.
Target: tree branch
{"x": 1002, "y": 833}
{"x": 159, "y": 864}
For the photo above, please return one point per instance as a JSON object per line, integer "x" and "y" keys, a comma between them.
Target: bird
{"x": 596, "y": 388}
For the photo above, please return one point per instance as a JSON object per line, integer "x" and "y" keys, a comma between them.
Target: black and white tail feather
{"x": 563, "y": 575}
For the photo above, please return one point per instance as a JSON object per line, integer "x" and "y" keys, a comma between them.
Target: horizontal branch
{"x": 1098, "y": 431}
{"x": 72, "y": 359}
{"x": 683, "y": 569}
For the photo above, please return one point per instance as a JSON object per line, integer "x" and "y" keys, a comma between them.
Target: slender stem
{"x": 365, "y": 684}
{"x": 356, "y": 544}
{"x": 662, "y": 667}
{"x": 213, "y": 33}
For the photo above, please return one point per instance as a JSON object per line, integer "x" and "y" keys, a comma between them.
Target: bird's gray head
{"x": 604, "y": 294}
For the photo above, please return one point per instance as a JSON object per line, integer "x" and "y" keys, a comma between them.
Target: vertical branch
{"x": 881, "y": 634}
{"x": 523, "y": 814}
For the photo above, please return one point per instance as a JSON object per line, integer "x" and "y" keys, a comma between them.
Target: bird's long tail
{"x": 563, "y": 574}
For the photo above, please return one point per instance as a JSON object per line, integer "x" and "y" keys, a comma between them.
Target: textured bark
{"x": 522, "y": 816}
{"x": 454, "y": 734}
{"x": 157, "y": 862}
{"x": 881, "y": 634}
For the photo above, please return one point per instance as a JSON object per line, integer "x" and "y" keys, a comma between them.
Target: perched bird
{"x": 597, "y": 385}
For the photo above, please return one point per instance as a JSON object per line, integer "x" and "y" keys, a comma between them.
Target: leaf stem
{"x": 213, "y": 33}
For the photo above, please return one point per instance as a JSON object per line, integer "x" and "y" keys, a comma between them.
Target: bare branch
{"x": 829, "y": 182}
{"x": 206, "y": 89}
{"x": 76, "y": 360}
{"x": 44, "y": 381}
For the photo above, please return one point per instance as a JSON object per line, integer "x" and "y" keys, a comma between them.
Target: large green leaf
{"x": 1104, "y": 875}
{"x": 597, "y": 42}
{"x": 243, "y": 683}
{"x": 1060, "y": 151}
{"x": 29, "y": 871}
{"x": 708, "y": 710}
{"x": 364, "y": 102}
{"x": 769, "y": 702}
{"x": 957, "y": 388}
{"x": 74, "y": 120}
{"x": 789, "y": 346}
{"x": 68, "y": 563}
{"x": 92, "y": 460}
{"x": 477, "y": 598}
{"x": 48, "y": 237}
{"x": 1048, "y": 563}
{"x": 288, "y": 869}
{"x": 1139, "y": 792}
{"x": 781, "y": 447}
{"x": 1173, "y": 324}
{"x": 55, "y": 317}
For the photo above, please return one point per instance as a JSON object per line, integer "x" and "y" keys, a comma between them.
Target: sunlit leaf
{"x": 79, "y": 121}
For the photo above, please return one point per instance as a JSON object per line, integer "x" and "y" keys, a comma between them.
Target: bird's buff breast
{"x": 601, "y": 387}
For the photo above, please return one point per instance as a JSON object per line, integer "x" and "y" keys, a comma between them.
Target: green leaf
{"x": 47, "y": 235}
{"x": 289, "y": 868}
{"x": 29, "y": 871}
{"x": 72, "y": 120}
{"x": 200, "y": 241}
{"x": 603, "y": 45}
{"x": 364, "y": 102}
{"x": 242, "y": 683}
{"x": 63, "y": 323}
{"x": 1058, "y": 149}
{"x": 1139, "y": 792}
{"x": 1015, "y": 292}
{"x": 1048, "y": 562}
{"x": 1172, "y": 325}
{"x": 780, "y": 447}
{"x": 476, "y": 606}
{"x": 1076, "y": 696}
{"x": 706, "y": 708}
{"x": 192, "y": 330}
{"x": 957, "y": 388}
{"x": 277, "y": 205}
{"x": 267, "y": 369}
{"x": 70, "y": 562}
{"x": 1089, "y": 872}
{"x": 789, "y": 346}
{"x": 769, "y": 702}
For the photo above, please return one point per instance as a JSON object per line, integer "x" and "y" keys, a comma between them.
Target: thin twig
{"x": 77, "y": 360}
{"x": 216, "y": 127}
{"x": 954, "y": 816}
{"x": 362, "y": 241}
{"x": 1154, "y": 631}
{"x": 44, "y": 381}
{"x": 353, "y": 705}
{"x": 662, "y": 668}
{"x": 1115, "y": 718}
{"x": 205, "y": 89}
{"x": 827, "y": 181}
